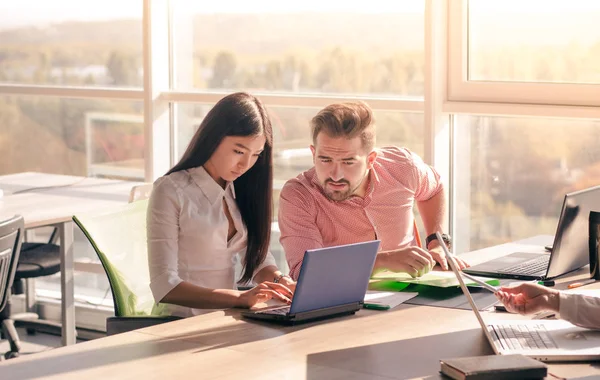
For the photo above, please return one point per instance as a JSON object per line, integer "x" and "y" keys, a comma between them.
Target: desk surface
{"x": 404, "y": 343}
{"x": 43, "y": 203}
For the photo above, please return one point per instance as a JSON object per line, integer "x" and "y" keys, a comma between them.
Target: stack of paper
{"x": 386, "y": 300}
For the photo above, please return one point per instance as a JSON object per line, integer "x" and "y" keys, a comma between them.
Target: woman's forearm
{"x": 189, "y": 295}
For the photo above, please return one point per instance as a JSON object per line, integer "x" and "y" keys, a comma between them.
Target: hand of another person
{"x": 263, "y": 292}
{"x": 412, "y": 260}
{"x": 438, "y": 255}
{"x": 529, "y": 298}
{"x": 289, "y": 283}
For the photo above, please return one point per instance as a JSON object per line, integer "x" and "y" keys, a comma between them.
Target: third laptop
{"x": 545, "y": 340}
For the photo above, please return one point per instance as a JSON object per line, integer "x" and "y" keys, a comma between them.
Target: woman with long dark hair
{"x": 214, "y": 208}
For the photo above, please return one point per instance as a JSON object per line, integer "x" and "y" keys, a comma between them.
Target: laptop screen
{"x": 334, "y": 276}
{"x": 571, "y": 250}
{"x": 465, "y": 289}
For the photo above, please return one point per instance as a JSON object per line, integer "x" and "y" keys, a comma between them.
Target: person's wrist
{"x": 282, "y": 279}
{"x": 554, "y": 300}
{"x": 287, "y": 280}
{"x": 431, "y": 241}
{"x": 239, "y": 299}
{"x": 433, "y": 245}
{"x": 381, "y": 261}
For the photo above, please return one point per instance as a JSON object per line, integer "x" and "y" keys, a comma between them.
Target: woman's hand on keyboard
{"x": 263, "y": 292}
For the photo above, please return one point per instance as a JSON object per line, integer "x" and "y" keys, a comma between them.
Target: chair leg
{"x": 53, "y": 236}
{"x": 28, "y": 236}
{"x": 30, "y": 295}
{"x": 8, "y": 328}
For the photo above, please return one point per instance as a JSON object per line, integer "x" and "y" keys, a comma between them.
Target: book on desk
{"x": 493, "y": 367}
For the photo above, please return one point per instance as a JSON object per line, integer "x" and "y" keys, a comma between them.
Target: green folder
{"x": 441, "y": 279}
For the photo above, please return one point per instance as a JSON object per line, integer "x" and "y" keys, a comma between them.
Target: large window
{"x": 65, "y": 43}
{"x": 301, "y": 47}
{"x": 525, "y": 52}
{"x": 84, "y": 137}
{"x": 534, "y": 41}
{"x": 513, "y": 173}
{"x": 515, "y": 84}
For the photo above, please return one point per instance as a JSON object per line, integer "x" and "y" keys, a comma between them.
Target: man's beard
{"x": 337, "y": 195}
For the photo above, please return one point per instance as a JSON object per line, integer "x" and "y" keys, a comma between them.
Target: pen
{"x": 480, "y": 282}
{"x": 581, "y": 283}
{"x": 546, "y": 282}
{"x": 375, "y": 306}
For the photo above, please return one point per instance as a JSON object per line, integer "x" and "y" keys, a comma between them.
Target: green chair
{"x": 118, "y": 236}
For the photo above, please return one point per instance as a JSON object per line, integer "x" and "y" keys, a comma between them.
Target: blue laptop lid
{"x": 334, "y": 276}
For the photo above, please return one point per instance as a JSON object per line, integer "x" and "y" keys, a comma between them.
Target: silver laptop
{"x": 570, "y": 250}
{"x": 332, "y": 282}
{"x": 545, "y": 340}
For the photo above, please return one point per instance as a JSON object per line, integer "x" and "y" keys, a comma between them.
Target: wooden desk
{"x": 44, "y": 204}
{"x": 404, "y": 343}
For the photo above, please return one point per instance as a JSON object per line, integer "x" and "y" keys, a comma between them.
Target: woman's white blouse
{"x": 187, "y": 235}
{"x": 580, "y": 309}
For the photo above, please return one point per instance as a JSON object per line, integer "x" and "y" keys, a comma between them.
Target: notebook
{"x": 332, "y": 282}
{"x": 545, "y": 340}
{"x": 376, "y": 300}
{"x": 491, "y": 367}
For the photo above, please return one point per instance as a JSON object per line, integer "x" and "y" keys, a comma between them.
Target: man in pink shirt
{"x": 356, "y": 193}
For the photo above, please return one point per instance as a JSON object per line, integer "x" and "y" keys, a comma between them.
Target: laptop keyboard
{"x": 522, "y": 337}
{"x": 279, "y": 311}
{"x": 530, "y": 267}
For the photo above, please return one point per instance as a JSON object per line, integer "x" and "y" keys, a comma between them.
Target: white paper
{"x": 391, "y": 299}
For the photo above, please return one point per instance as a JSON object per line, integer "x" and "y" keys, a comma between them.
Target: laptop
{"x": 332, "y": 282}
{"x": 544, "y": 340}
{"x": 569, "y": 252}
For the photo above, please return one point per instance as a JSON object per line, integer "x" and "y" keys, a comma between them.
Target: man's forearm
{"x": 381, "y": 262}
{"x": 432, "y": 212}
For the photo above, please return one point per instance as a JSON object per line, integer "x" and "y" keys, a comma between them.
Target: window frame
{"x": 461, "y": 89}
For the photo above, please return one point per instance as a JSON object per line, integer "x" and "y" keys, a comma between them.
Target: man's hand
{"x": 438, "y": 255}
{"x": 529, "y": 298}
{"x": 412, "y": 260}
{"x": 288, "y": 282}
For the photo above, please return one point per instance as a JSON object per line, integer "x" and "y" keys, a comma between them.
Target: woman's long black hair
{"x": 240, "y": 114}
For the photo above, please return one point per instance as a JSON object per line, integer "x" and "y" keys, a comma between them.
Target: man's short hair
{"x": 346, "y": 120}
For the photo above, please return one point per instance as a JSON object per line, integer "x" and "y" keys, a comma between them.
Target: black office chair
{"x": 11, "y": 235}
{"x": 35, "y": 260}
